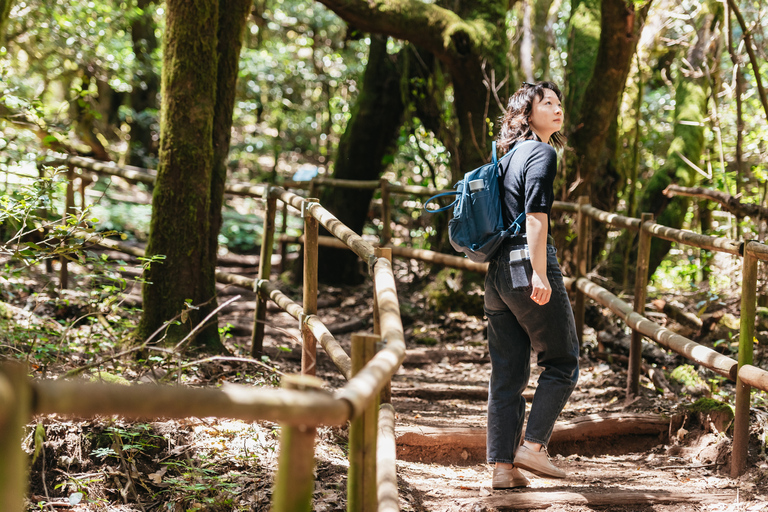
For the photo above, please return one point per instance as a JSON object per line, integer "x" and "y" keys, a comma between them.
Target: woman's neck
{"x": 545, "y": 140}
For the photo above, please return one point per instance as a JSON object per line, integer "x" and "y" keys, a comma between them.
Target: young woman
{"x": 525, "y": 298}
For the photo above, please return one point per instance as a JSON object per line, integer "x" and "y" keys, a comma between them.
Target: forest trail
{"x": 653, "y": 454}
{"x": 650, "y": 454}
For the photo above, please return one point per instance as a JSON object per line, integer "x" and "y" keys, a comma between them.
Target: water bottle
{"x": 479, "y": 196}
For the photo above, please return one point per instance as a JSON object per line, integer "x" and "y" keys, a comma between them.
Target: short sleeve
{"x": 540, "y": 171}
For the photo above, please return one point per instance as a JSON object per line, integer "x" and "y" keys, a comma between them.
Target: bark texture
{"x": 179, "y": 229}
{"x": 231, "y": 28}
{"x": 583, "y": 41}
{"x": 621, "y": 26}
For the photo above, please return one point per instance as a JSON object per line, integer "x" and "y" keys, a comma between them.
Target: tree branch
{"x": 729, "y": 202}
{"x": 439, "y": 30}
{"x": 752, "y": 57}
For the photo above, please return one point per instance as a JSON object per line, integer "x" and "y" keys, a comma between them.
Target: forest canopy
{"x": 657, "y": 93}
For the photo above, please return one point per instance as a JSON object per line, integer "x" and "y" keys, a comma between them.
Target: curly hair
{"x": 515, "y": 124}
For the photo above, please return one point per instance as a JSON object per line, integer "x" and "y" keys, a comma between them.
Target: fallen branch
{"x": 729, "y": 202}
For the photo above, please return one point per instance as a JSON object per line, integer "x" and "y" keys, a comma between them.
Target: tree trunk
{"x": 692, "y": 91}
{"x": 180, "y": 224}
{"x": 544, "y": 38}
{"x": 142, "y": 149}
{"x": 368, "y": 137}
{"x": 620, "y": 30}
{"x": 233, "y": 15}
{"x": 590, "y": 166}
{"x": 583, "y": 41}
{"x": 470, "y": 41}
{"x": 5, "y": 13}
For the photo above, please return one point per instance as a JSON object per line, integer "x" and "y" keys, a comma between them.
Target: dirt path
{"x": 650, "y": 455}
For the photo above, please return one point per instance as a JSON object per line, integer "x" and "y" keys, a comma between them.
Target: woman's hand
{"x": 536, "y": 227}
{"x": 542, "y": 291}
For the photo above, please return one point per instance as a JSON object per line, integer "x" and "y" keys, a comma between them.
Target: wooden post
{"x": 746, "y": 340}
{"x": 385, "y": 397}
{"x": 69, "y": 205}
{"x": 265, "y": 269}
{"x": 312, "y": 191}
{"x": 309, "y": 343}
{"x": 361, "y": 477}
{"x": 582, "y": 241}
{"x": 283, "y": 245}
{"x": 386, "y": 213}
{"x": 641, "y": 291}
{"x": 295, "y": 480}
{"x": 15, "y": 403}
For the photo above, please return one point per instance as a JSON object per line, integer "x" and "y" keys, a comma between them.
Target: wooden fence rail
{"x": 745, "y": 375}
{"x": 299, "y": 407}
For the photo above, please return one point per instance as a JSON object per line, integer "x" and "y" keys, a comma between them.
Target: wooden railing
{"x": 299, "y": 407}
{"x": 742, "y": 372}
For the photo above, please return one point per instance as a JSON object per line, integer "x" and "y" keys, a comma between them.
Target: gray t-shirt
{"x": 529, "y": 176}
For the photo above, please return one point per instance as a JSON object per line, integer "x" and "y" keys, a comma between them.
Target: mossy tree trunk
{"x": 621, "y": 25}
{"x": 471, "y": 43}
{"x": 180, "y": 228}
{"x": 603, "y": 38}
{"x": 5, "y": 13}
{"x": 692, "y": 90}
{"x": 369, "y": 136}
{"x": 146, "y": 84}
{"x": 233, "y": 15}
{"x": 583, "y": 43}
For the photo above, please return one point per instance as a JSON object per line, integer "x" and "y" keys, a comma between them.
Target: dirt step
{"x": 606, "y": 497}
{"x": 594, "y": 434}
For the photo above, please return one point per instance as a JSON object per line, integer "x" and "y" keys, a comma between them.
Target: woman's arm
{"x": 536, "y": 228}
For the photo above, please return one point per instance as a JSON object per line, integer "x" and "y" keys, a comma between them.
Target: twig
{"x": 202, "y": 324}
{"x": 42, "y": 476}
{"x": 700, "y": 466}
{"x": 127, "y": 469}
{"x": 78, "y": 371}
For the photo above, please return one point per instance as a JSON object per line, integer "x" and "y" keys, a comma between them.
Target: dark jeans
{"x": 517, "y": 325}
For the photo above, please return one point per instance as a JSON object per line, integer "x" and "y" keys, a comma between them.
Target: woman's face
{"x": 546, "y": 115}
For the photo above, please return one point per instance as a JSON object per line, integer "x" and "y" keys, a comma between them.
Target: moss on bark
{"x": 179, "y": 228}
{"x": 231, "y": 29}
{"x": 583, "y": 42}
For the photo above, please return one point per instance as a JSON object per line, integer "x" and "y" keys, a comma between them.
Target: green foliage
{"x": 706, "y": 405}
{"x": 456, "y": 290}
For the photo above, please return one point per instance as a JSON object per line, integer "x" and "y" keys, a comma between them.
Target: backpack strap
{"x": 444, "y": 208}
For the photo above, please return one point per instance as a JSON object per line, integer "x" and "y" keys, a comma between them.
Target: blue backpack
{"x": 477, "y": 226}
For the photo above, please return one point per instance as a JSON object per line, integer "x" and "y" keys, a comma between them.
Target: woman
{"x": 525, "y": 298}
